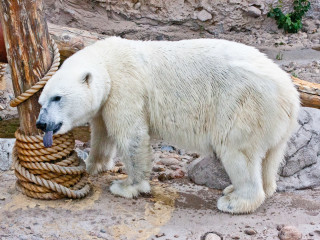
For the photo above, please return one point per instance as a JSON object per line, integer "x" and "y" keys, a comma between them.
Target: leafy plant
{"x": 290, "y": 22}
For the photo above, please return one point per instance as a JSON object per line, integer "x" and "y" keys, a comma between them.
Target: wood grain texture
{"x": 309, "y": 93}
{"x": 71, "y": 40}
{"x": 28, "y": 50}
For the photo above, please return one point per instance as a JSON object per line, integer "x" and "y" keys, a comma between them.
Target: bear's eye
{"x": 56, "y": 98}
{"x": 87, "y": 78}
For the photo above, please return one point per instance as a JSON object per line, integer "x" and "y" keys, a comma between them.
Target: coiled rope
{"x": 48, "y": 173}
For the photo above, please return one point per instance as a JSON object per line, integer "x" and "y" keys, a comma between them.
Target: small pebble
{"x": 250, "y": 231}
{"x": 169, "y": 161}
{"x": 162, "y": 177}
{"x": 160, "y": 235}
{"x": 158, "y": 169}
{"x": 167, "y": 148}
{"x": 290, "y": 233}
{"x": 280, "y": 226}
{"x": 212, "y": 236}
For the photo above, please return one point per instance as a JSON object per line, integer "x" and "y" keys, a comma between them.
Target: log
{"x": 28, "y": 51}
{"x": 309, "y": 93}
{"x": 71, "y": 40}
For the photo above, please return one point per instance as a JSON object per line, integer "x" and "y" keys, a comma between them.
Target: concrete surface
{"x": 174, "y": 210}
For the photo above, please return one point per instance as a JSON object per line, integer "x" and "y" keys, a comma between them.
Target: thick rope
{"x": 48, "y": 173}
{"x": 40, "y": 84}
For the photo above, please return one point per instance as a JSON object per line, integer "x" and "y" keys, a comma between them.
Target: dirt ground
{"x": 176, "y": 209}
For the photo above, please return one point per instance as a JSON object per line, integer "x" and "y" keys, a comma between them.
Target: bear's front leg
{"x": 103, "y": 148}
{"x": 137, "y": 156}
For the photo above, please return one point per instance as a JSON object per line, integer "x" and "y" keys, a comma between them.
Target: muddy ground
{"x": 176, "y": 209}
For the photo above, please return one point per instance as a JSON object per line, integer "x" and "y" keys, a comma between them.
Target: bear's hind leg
{"x": 270, "y": 166}
{"x": 245, "y": 175}
{"x": 137, "y": 157}
{"x": 103, "y": 148}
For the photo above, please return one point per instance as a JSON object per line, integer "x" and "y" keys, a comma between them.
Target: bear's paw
{"x": 234, "y": 203}
{"x": 120, "y": 188}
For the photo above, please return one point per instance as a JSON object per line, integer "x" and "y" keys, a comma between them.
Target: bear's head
{"x": 75, "y": 93}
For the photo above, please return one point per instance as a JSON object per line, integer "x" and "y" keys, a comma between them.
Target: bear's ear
{"x": 87, "y": 78}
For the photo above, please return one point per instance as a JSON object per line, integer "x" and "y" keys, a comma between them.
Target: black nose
{"x": 41, "y": 125}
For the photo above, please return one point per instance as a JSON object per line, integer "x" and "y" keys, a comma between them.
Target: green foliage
{"x": 290, "y": 22}
{"x": 279, "y": 56}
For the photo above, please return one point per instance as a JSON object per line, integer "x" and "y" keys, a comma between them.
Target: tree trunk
{"x": 28, "y": 50}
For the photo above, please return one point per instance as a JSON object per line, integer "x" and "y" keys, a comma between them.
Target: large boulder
{"x": 300, "y": 168}
{"x": 208, "y": 171}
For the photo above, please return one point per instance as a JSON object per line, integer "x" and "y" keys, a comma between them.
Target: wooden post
{"x": 28, "y": 50}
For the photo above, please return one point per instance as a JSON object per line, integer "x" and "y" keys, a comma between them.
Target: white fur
{"x": 207, "y": 95}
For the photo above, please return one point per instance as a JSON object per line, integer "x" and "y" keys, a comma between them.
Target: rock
{"x": 78, "y": 144}
{"x": 254, "y": 12}
{"x": 182, "y": 151}
{"x": 158, "y": 169}
{"x": 280, "y": 226}
{"x": 208, "y": 171}
{"x": 250, "y": 231}
{"x": 309, "y": 26}
{"x": 290, "y": 233}
{"x": 167, "y": 148}
{"x": 176, "y": 174}
{"x": 162, "y": 177}
{"x": 160, "y": 235}
{"x": 301, "y": 168}
{"x": 137, "y": 5}
{"x": 6, "y": 145}
{"x": 212, "y": 236}
{"x": 169, "y": 161}
{"x": 81, "y": 154}
{"x": 203, "y": 15}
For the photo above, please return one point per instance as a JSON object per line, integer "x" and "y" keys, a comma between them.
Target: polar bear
{"x": 205, "y": 95}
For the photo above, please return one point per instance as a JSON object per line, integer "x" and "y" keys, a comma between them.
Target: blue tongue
{"x": 47, "y": 139}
